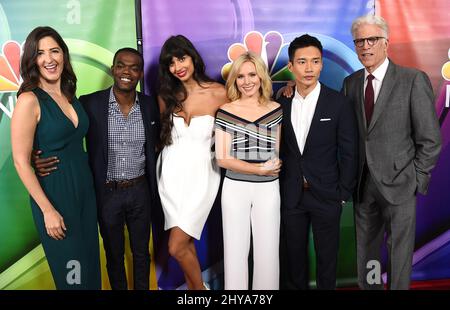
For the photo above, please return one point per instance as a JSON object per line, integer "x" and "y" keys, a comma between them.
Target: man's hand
{"x": 43, "y": 166}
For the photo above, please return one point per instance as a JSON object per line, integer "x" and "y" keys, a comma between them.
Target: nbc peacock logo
{"x": 10, "y": 79}
{"x": 446, "y": 75}
{"x": 446, "y": 68}
{"x": 271, "y": 47}
{"x": 339, "y": 59}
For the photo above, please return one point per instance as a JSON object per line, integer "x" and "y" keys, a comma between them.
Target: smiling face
{"x": 182, "y": 68}
{"x": 126, "y": 71}
{"x": 306, "y": 67}
{"x": 371, "y": 56}
{"x": 50, "y": 60}
{"x": 247, "y": 81}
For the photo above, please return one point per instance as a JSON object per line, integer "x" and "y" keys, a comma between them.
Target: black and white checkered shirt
{"x": 126, "y": 140}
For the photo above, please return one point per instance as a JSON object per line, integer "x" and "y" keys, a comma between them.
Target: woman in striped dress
{"x": 247, "y": 142}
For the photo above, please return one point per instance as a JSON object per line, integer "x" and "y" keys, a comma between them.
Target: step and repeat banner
{"x": 223, "y": 28}
{"x": 94, "y": 30}
{"x": 420, "y": 37}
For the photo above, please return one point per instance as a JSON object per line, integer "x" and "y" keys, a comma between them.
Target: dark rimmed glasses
{"x": 371, "y": 41}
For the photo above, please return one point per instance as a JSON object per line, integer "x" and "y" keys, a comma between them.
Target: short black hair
{"x": 129, "y": 50}
{"x": 303, "y": 41}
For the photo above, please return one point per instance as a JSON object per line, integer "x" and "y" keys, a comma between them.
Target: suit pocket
{"x": 402, "y": 161}
{"x": 403, "y": 171}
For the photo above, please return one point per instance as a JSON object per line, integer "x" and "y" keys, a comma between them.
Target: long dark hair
{"x": 30, "y": 71}
{"x": 171, "y": 89}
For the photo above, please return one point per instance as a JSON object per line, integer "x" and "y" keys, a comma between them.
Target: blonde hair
{"x": 370, "y": 19}
{"x": 265, "y": 90}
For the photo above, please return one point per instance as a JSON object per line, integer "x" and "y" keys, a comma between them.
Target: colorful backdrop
{"x": 221, "y": 30}
{"x": 420, "y": 37}
{"x": 90, "y": 29}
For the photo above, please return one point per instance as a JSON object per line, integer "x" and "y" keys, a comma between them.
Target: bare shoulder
{"x": 217, "y": 95}
{"x": 273, "y": 105}
{"x": 27, "y": 100}
{"x": 217, "y": 87}
{"x": 27, "y": 107}
{"x": 27, "y": 97}
{"x": 228, "y": 107}
{"x": 219, "y": 92}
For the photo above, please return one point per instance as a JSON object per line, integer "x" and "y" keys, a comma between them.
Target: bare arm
{"x": 23, "y": 125}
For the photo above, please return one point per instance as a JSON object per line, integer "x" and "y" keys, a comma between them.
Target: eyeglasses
{"x": 371, "y": 41}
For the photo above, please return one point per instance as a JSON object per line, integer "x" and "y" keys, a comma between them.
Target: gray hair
{"x": 370, "y": 20}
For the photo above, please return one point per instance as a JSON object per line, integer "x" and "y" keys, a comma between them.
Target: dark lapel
{"x": 103, "y": 104}
{"x": 385, "y": 91}
{"x": 145, "y": 111}
{"x": 289, "y": 133}
{"x": 360, "y": 109}
{"x": 318, "y": 112}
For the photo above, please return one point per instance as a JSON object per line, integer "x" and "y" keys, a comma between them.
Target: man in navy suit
{"x": 319, "y": 153}
{"x": 121, "y": 140}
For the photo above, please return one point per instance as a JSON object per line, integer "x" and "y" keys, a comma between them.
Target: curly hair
{"x": 171, "y": 89}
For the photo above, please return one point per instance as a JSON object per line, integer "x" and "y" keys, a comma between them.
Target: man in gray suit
{"x": 399, "y": 144}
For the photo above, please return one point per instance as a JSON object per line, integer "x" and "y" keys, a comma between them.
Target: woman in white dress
{"x": 188, "y": 178}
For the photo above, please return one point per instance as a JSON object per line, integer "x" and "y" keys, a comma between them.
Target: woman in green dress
{"x": 48, "y": 117}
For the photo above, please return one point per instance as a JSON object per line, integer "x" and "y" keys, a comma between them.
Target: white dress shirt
{"x": 378, "y": 74}
{"x": 302, "y": 113}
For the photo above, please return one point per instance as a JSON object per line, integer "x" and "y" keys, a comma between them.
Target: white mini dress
{"x": 188, "y": 176}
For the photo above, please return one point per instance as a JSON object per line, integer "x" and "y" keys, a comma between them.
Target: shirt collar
{"x": 113, "y": 100}
{"x": 314, "y": 93}
{"x": 379, "y": 72}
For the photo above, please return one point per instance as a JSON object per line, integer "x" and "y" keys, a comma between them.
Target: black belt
{"x": 125, "y": 183}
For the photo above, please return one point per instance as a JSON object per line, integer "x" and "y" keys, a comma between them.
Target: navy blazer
{"x": 330, "y": 156}
{"x": 96, "y": 106}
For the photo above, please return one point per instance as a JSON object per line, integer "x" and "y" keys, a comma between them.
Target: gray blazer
{"x": 402, "y": 142}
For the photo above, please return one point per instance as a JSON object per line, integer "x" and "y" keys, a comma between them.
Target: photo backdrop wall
{"x": 91, "y": 30}
{"x": 94, "y": 30}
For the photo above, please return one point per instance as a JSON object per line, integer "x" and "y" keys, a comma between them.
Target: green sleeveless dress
{"x": 74, "y": 261}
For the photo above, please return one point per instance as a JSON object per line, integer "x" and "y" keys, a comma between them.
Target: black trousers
{"x": 324, "y": 217}
{"x": 131, "y": 207}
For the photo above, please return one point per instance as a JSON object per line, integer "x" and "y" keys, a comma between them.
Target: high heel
{"x": 206, "y": 286}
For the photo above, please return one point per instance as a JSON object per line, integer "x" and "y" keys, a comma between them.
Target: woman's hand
{"x": 271, "y": 167}
{"x": 54, "y": 223}
{"x": 289, "y": 89}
